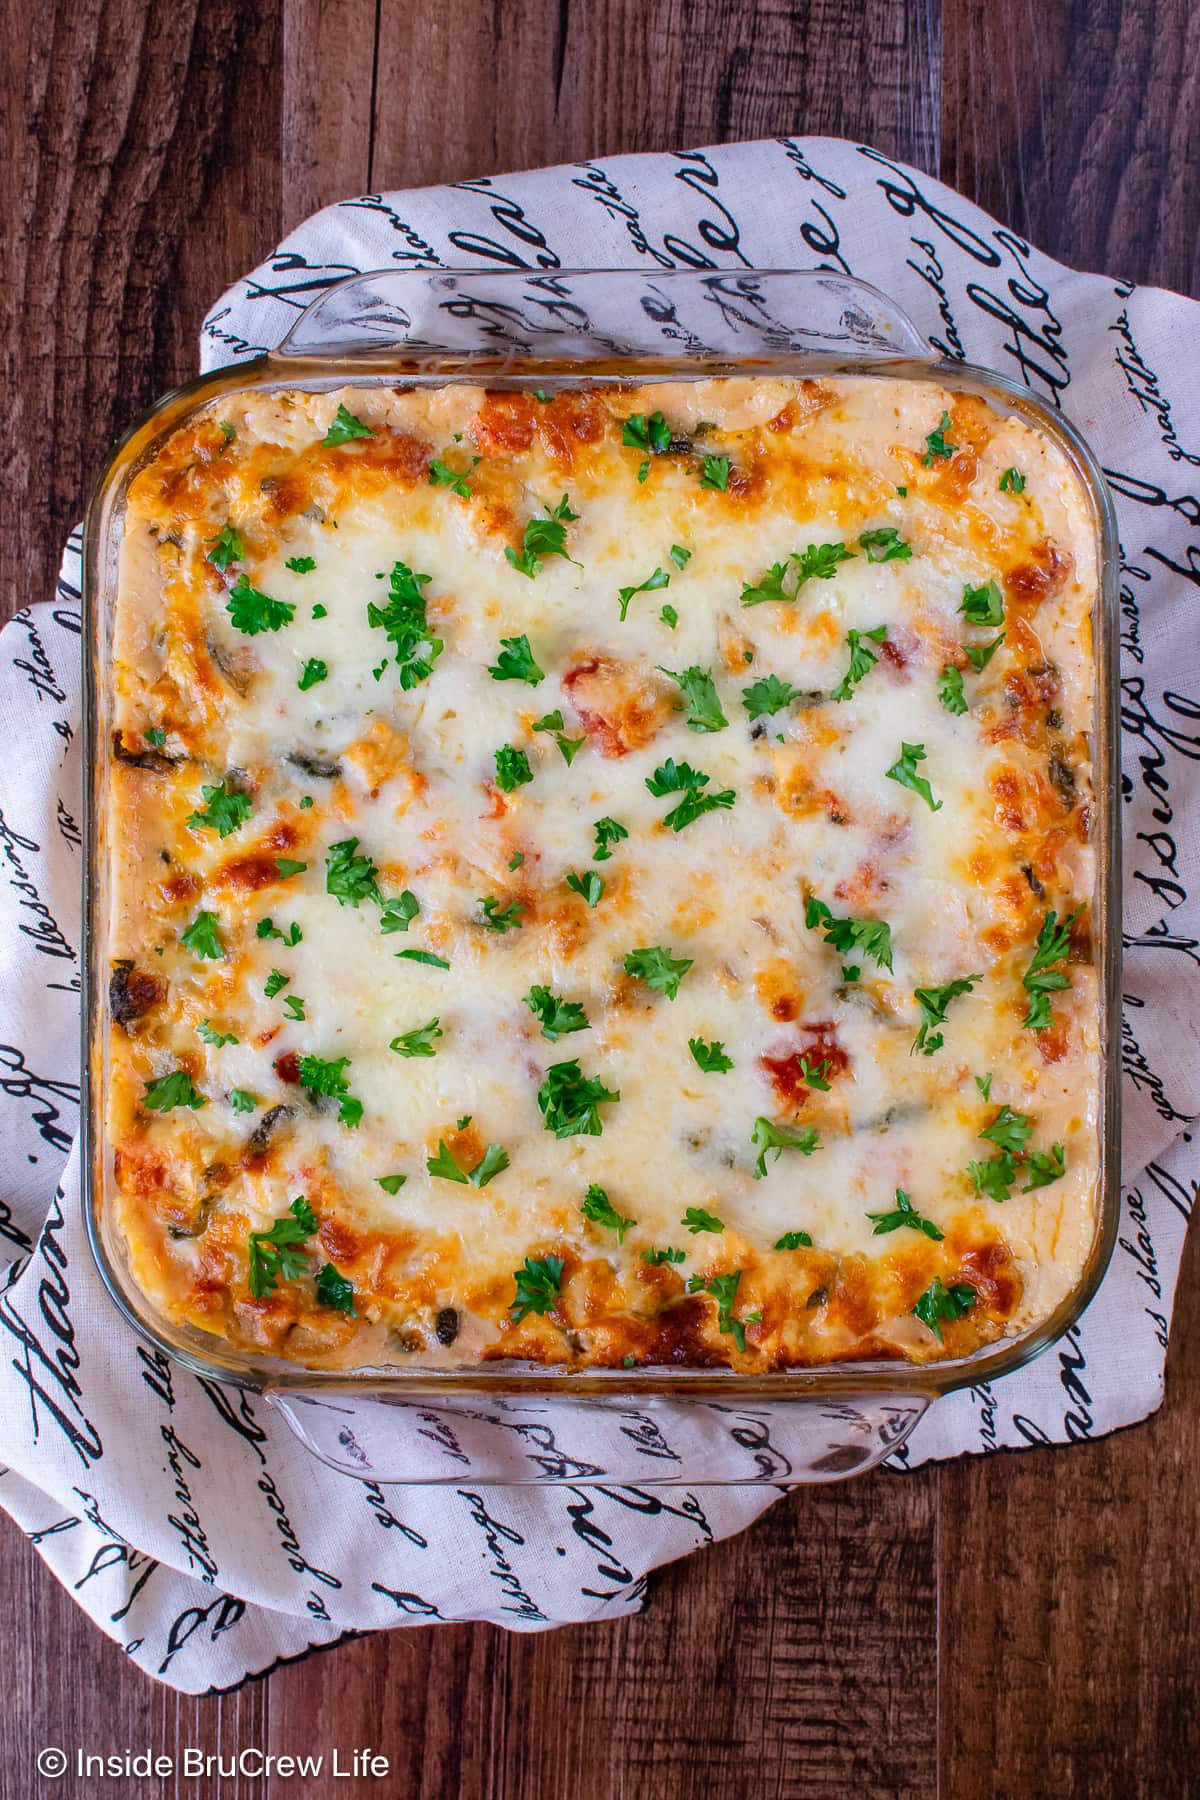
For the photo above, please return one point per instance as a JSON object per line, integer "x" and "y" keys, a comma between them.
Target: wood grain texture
{"x": 962, "y": 1630}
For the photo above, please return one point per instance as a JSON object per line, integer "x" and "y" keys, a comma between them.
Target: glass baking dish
{"x": 519, "y": 1423}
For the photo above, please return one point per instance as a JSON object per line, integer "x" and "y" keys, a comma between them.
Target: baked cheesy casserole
{"x": 602, "y": 878}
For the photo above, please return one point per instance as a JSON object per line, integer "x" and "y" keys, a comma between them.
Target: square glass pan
{"x": 589, "y": 328}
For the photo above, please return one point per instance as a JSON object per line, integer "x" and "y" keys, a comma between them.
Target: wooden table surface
{"x": 1024, "y": 1626}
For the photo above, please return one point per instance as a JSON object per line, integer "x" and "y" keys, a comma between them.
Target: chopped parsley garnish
{"x": 350, "y": 876}
{"x": 658, "y": 969}
{"x": 1008, "y": 1131}
{"x": 1012, "y": 482}
{"x": 933, "y": 1003}
{"x": 980, "y": 655}
{"x": 723, "y": 1289}
{"x": 702, "y": 708}
{"x": 274, "y": 982}
{"x": 225, "y": 548}
{"x": 679, "y": 556}
{"x": 537, "y": 1281}
{"x": 277, "y": 1253}
{"x": 293, "y": 1006}
{"x": 320, "y": 612}
{"x": 783, "y": 580}
{"x": 391, "y": 1184}
{"x": 599, "y": 1209}
{"x": 608, "y": 832}
{"x": 286, "y": 866}
{"x": 557, "y": 1017}
{"x": 872, "y": 936}
{"x": 589, "y": 887}
{"x": 768, "y": 695}
{"x": 493, "y": 1162}
{"x": 442, "y": 476}
{"x": 862, "y": 660}
{"x": 202, "y": 939}
{"x": 228, "y": 431}
{"x": 819, "y": 562}
{"x": 794, "y": 1240}
{"x": 1039, "y": 979}
{"x": 420, "y": 1041}
{"x": 995, "y": 1177}
{"x": 715, "y": 473}
{"x": 885, "y": 545}
{"x": 768, "y": 1136}
{"x": 169, "y": 1091}
{"x": 904, "y": 1213}
{"x": 904, "y": 771}
{"x": 398, "y": 912}
{"x": 335, "y": 1290}
{"x": 669, "y": 617}
{"x": 424, "y": 956}
{"x": 208, "y": 1034}
{"x": 501, "y": 919}
{"x": 301, "y": 565}
{"x": 950, "y": 690}
{"x": 656, "y": 1258}
{"x": 155, "y": 736}
{"x": 940, "y": 1302}
{"x": 569, "y": 747}
{"x": 982, "y": 605}
{"x": 770, "y": 587}
{"x": 314, "y": 670}
{"x": 680, "y": 778}
{"x": 345, "y": 426}
{"x": 813, "y": 1074}
{"x": 321, "y": 1077}
{"x": 710, "y": 1057}
{"x": 984, "y": 1084}
{"x": 642, "y": 433}
{"x": 516, "y": 859}
{"x": 512, "y": 768}
{"x": 267, "y": 928}
{"x": 515, "y": 662}
{"x": 402, "y": 619}
{"x": 251, "y": 611}
{"x": 697, "y": 1219}
{"x": 570, "y": 1101}
{"x": 306, "y": 802}
{"x": 659, "y": 579}
{"x": 937, "y": 444}
{"x": 223, "y": 811}
{"x": 1042, "y": 1169}
{"x": 542, "y": 538}
{"x": 241, "y": 1101}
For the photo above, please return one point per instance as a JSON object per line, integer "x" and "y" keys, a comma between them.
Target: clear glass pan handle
{"x": 649, "y": 1442}
{"x": 603, "y": 315}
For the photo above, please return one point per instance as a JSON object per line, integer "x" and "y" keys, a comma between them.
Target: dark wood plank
{"x": 328, "y": 62}
{"x": 509, "y": 84}
{"x": 797, "y": 1659}
{"x": 1079, "y": 124}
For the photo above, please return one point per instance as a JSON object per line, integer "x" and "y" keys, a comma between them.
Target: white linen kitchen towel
{"x": 184, "y": 1518}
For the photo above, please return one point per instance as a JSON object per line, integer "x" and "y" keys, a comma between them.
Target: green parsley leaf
{"x": 642, "y": 433}
{"x": 202, "y": 939}
{"x": 950, "y": 690}
{"x": 155, "y": 736}
{"x": 983, "y": 605}
{"x": 286, "y": 866}
{"x": 643, "y": 469}
{"x": 420, "y": 1041}
{"x": 569, "y": 747}
{"x": 313, "y": 671}
{"x": 274, "y": 982}
{"x": 209, "y": 1035}
{"x": 542, "y": 538}
{"x": 656, "y": 1258}
{"x": 702, "y": 708}
{"x": 715, "y": 473}
{"x": 1042, "y": 1169}
{"x": 819, "y": 562}
{"x": 599, "y": 1209}
{"x": 241, "y": 1101}
{"x": 321, "y": 1077}
{"x": 723, "y": 1289}
{"x": 669, "y": 617}
{"x": 493, "y": 1162}
{"x": 537, "y": 1283}
{"x": 680, "y": 778}
{"x": 1008, "y": 1131}
{"x": 306, "y": 802}
{"x": 589, "y": 887}
{"x": 940, "y": 1302}
{"x": 885, "y": 545}
{"x": 769, "y": 587}
{"x": 301, "y": 565}
{"x": 1039, "y": 979}
{"x": 984, "y": 1084}
{"x": 251, "y": 611}
{"x": 659, "y": 579}
{"x": 442, "y": 476}
{"x": 768, "y": 1136}
{"x": 995, "y": 1177}
{"x": 794, "y": 1240}
{"x": 904, "y": 1213}
{"x": 658, "y": 969}
{"x": 608, "y": 832}
{"x": 1012, "y": 482}
{"x": 512, "y": 768}
{"x": 225, "y": 548}
{"x": 268, "y": 929}
{"x": 320, "y": 612}
{"x": 167, "y": 1092}
{"x": 933, "y": 1003}
{"x": 424, "y": 956}
{"x": 224, "y": 810}
{"x": 710, "y": 1057}
{"x": 516, "y": 859}
{"x": 398, "y": 912}
{"x": 501, "y": 919}
{"x": 937, "y": 444}
{"x": 335, "y": 1290}
{"x": 980, "y": 655}
{"x": 904, "y": 771}
{"x": 349, "y": 876}
{"x": 345, "y": 426}
{"x": 515, "y": 663}
{"x": 768, "y": 695}
{"x": 228, "y": 431}
{"x": 697, "y": 1219}
{"x": 679, "y": 556}
{"x": 277, "y": 1252}
{"x": 872, "y": 936}
{"x": 813, "y": 1074}
{"x": 862, "y": 660}
{"x": 570, "y": 1101}
{"x": 557, "y": 1017}
{"x": 391, "y": 1184}
{"x": 403, "y": 621}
